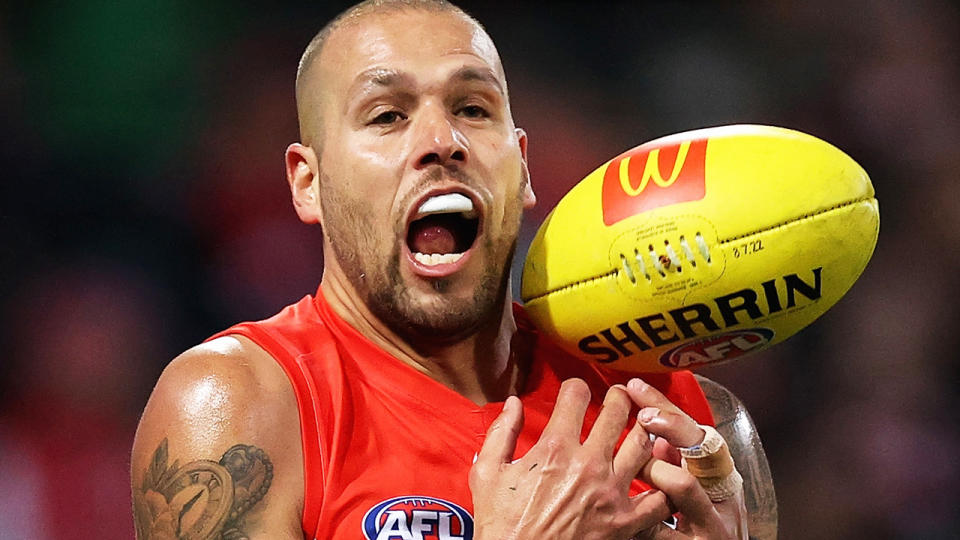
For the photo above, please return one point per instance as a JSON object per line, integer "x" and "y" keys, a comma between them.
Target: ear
{"x": 303, "y": 175}
{"x": 529, "y": 198}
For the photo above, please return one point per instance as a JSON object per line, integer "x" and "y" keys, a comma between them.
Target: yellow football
{"x": 700, "y": 247}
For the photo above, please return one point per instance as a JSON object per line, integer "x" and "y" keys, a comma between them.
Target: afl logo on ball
{"x": 417, "y": 518}
{"x": 719, "y": 348}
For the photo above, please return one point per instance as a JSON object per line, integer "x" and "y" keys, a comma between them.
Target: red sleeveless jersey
{"x": 387, "y": 450}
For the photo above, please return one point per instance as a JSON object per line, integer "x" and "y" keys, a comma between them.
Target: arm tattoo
{"x": 203, "y": 499}
{"x": 736, "y": 426}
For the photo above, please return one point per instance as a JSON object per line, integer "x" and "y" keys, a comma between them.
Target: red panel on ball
{"x": 644, "y": 187}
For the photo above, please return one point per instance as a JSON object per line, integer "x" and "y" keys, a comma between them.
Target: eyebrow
{"x": 374, "y": 77}
{"x": 470, "y": 74}
{"x": 382, "y": 77}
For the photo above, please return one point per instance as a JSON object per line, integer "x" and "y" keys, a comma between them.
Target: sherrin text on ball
{"x": 701, "y": 247}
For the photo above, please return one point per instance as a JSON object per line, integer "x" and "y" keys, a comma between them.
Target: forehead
{"x": 413, "y": 41}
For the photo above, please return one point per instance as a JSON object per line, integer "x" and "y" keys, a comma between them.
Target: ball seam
{"x": 782, "y": 224}
{"x": 796, "y": 219}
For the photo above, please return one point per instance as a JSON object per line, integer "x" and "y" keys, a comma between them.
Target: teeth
{"x": 447, "y": 204}
{"x": 434, "y": 259}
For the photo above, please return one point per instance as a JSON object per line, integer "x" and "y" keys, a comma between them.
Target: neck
{"x": 484, "y": 367}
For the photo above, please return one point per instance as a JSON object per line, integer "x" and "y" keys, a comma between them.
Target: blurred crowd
{"x": 144, "y": 207}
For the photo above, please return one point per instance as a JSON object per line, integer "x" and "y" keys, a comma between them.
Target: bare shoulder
{"x": 734, "y": 423}
{"x": 217, "y": 452}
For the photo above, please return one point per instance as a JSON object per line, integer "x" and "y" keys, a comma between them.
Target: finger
{"x": 650, "y": 509}
{"x": 660, "y": 531}
{"x": 665, "y": 451}
{"x": 608, "y": 428}
{"x": 501, "y": 440}
{"x": 566, "y": 421}
{"x": 635, "y": 451}
{"x": 662, "y": 418}
{"x": 684, "y": 492}
{"x": 676, "y": 427}
{"x": 645, "y": 395}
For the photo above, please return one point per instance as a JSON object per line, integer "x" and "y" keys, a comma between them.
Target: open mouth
{"x": 443, "y": 229}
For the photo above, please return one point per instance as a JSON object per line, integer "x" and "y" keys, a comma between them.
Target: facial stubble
{"x": 372, "y": 266}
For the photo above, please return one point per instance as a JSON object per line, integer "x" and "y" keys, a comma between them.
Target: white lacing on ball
{"x": 627, "y": 270}
{"x": 702, "y": 244}
{"x": 673, "y": 257}
{"x": 656, "y": 262}
{"x": 643, "y": 267}
{"x": 687, "y": 251}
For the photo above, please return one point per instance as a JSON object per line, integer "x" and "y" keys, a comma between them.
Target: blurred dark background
{"x": 144, "y": 207}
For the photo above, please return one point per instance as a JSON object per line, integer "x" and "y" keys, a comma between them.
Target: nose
{"x": 438, "y": 139}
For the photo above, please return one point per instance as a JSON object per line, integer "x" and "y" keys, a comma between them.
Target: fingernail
{"x": 648, "y": 414}
{"x": 637, "y": 384}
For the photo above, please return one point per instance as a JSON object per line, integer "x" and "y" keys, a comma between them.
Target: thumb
{"x": 501, "y": 439}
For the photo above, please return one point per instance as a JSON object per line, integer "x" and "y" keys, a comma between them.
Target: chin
{"x": 449, "y": 319}
{"x": 436, "y": 313}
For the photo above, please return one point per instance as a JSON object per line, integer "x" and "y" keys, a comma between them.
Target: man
{"x": 409, "y": 398}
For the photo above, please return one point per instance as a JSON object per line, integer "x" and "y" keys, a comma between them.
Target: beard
{"x": 371, "y": 264}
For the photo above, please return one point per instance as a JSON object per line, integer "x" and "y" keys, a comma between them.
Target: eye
{"x": 474, "y": 111}
{"x": 388, "y": 117}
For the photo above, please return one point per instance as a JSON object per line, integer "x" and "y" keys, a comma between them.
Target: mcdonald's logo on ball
{"x": 635, "y": 181}
{"x": 647, "y": 265}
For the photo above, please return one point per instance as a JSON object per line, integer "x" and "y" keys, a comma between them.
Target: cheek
{"x": 375, "y": 162}
{"x": 510, "y": 187}
{"x": 368, "y": 177}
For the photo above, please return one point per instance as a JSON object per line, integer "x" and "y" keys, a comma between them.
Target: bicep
{"x": 215, "y": 454}
{"x": 734, "y": 423}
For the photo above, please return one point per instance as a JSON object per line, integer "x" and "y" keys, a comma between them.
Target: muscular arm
{"x": 736, "y": 426}
{"x": 217, "y": 453}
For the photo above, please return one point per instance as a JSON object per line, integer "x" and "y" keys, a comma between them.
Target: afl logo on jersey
{"x": 417, "y": 518}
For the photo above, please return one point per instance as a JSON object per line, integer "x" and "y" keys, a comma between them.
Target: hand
{"x": 561, "y": 488}
{"x": 699, "y": 517}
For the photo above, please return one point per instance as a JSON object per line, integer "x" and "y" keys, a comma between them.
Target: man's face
{"x": 423, "y": 176}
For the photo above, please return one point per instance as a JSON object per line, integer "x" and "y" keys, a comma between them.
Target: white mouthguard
{"x": 446, "y": 204}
